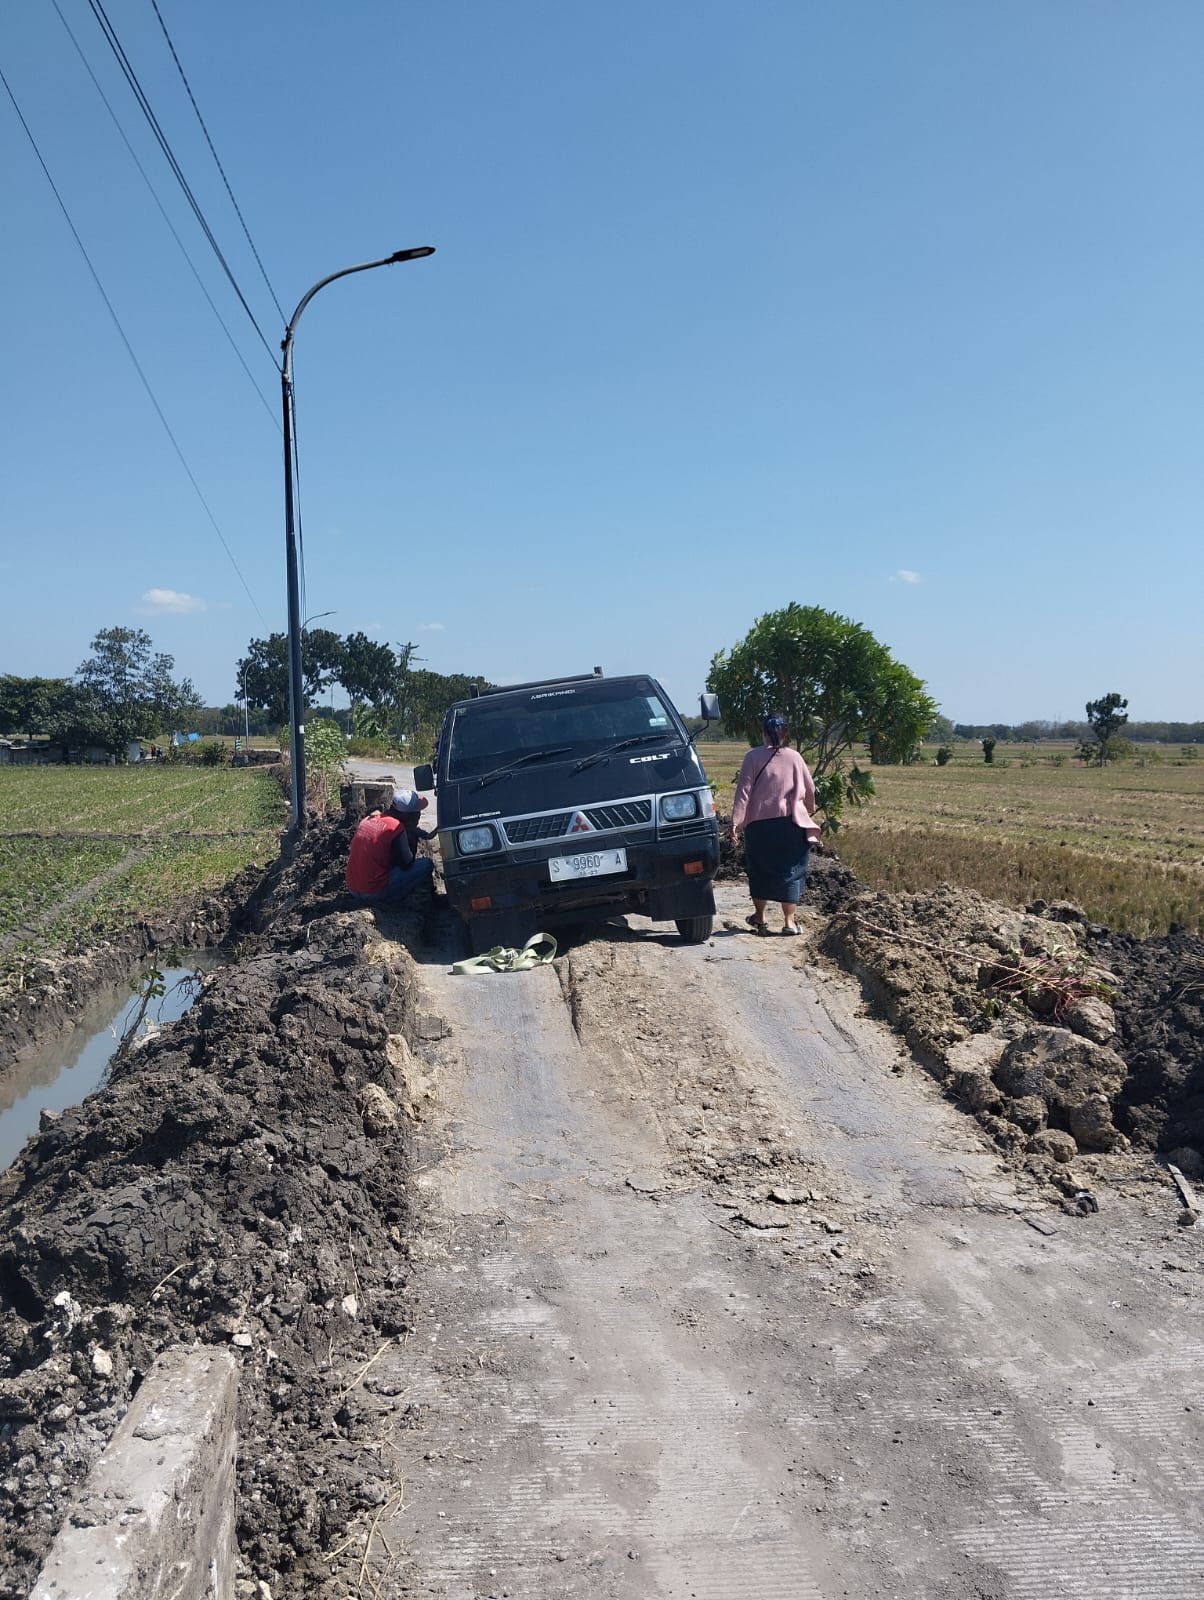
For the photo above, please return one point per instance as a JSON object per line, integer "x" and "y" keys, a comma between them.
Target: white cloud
{"x": 430, "y": 627}
{"x": 170, "y": 602}
{"x": 905, "y": 575}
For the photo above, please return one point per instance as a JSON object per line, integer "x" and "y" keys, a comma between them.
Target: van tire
{"x": 695, "y": 930}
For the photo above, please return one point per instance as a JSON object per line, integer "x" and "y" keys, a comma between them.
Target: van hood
{"x": 553, "y": 785}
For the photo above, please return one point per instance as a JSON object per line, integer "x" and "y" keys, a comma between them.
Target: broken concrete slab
{"x": 155, "y": 1516}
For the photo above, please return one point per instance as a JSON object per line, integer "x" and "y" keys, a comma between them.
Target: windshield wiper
{"x": 623, "y": 744}
{"x": 532, "y": 755}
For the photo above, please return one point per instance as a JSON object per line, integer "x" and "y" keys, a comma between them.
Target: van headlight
{"x": 678, "y": 807}
{"x": 472, "y": 841}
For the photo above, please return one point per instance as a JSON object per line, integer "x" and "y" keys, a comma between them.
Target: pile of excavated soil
{"x": 1063, "y": 1039}
{"x": 1160, "y": 1026}
{"x": 242, "y": 1181}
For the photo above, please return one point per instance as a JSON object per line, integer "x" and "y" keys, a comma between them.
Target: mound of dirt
{"x": 1061, "y": 1037}
{"x": 1160, "y": 1025}
{"x": 241, "y": 1180}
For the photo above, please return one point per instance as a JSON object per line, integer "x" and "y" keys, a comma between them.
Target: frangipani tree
{"x": 836, "y": 685}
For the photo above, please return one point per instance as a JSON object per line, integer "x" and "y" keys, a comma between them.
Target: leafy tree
{"x": 31, "y": 705}
{"x": 988, "y": 749}
{"x": 263, "y": 673}
{"x": 1107, "y": 717}
{"x": 127, "y": 692}
{"x": 836, "y": 685}
{"x": 322, "y": 656}
{"x": 369, "y": 671}
{"x": 265, "y": 670}
{"x": 940, "y": 728}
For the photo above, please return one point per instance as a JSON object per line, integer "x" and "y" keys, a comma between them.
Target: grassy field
{"x": 1125, "y": 842}
{"x": 85, "y": 851}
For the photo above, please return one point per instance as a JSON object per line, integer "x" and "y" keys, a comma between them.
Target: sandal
{"x": 791, "y": 930}
{"x": 756, "y": 924}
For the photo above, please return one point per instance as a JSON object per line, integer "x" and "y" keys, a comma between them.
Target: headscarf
{"x": 774, "y": 729}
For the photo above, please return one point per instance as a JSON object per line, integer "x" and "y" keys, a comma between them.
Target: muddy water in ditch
{"x": 71, "y": 1066}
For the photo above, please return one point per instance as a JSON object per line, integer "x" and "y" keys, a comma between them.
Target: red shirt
{"x": 371, "y": 853}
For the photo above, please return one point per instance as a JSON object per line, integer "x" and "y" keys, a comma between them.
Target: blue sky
{"x": 891, "y": 308}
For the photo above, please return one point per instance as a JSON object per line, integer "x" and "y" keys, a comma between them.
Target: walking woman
{"x": 775, "y": 796}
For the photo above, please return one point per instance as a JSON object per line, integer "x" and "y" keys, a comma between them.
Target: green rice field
{"x": 86, "y": 851}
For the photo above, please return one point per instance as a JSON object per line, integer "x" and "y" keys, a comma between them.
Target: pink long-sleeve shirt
{"x": 784, "y": 788}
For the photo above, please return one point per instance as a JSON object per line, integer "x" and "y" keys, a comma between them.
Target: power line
{"x": 217, "y": 162}
{"x": 129, "y": 347}
{"x": 131, "y": 77}
{"x": 271, "y": 410}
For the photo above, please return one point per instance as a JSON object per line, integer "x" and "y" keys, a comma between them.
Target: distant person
{"x": 775, "y": 798}
{"x": 383, "y": 863}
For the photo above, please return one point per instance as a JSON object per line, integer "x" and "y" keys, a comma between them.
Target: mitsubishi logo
{"x": 581, "y": 824}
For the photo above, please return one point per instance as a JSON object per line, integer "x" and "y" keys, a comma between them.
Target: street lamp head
{"x": 415, "y": 254}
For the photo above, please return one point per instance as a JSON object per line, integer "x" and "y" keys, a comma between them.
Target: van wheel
{"x": 695, "y": 930}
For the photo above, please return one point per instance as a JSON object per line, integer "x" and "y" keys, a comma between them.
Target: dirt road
{"x": 715, "y": 1296}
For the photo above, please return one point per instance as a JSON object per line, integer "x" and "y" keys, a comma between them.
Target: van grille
{"x": 527, "y": 830}
{"x": 628, "y": 815}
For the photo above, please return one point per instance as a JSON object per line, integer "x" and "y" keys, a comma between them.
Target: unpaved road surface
{"x": 715, "y": 1296}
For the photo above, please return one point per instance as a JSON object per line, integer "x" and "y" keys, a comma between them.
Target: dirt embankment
{"x": 243, "y": 1181}
{"x": 1065, "y": 1040}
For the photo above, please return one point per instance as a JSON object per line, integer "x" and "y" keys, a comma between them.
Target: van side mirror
{"x": 708, "y": 707}
{"x": 424, "y": 777}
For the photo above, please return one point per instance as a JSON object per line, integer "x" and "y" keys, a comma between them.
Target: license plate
{"x": 589, "y": 864}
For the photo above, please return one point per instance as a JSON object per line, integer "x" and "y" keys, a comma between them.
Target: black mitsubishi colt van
{"x": 571, "y": 800}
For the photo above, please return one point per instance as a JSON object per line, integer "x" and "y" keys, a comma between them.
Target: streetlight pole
{"x": 296, "y": 689}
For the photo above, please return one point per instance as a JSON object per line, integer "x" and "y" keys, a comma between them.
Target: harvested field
{"x": 1125, "y": 842}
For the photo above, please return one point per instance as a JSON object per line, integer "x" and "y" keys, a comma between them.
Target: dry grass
{"x": 1126, "y": 843}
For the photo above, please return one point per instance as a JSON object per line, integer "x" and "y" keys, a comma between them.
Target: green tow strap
{"x": 539, "y": 949}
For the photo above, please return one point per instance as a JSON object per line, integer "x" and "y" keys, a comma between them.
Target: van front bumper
{"x": 666, "y": 878}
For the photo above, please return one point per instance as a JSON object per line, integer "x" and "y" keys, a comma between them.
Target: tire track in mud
{"x": 636, "y": 1374}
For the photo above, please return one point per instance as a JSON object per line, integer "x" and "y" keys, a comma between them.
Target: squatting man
{"x": 383, "y": 863}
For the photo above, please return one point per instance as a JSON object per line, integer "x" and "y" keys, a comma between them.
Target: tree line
{"x": 125, "y": 691}
{"x": 389, "y": 697}
{"x": 122, "y": 692}
{"x": 1074, "y": 732}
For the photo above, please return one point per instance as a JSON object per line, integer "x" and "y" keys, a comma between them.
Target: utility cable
{"x": 129, "y": 347}
{"x": 217, "y": 161}
{"x": 270, "y": 409}
{"x": 131, "y": 77}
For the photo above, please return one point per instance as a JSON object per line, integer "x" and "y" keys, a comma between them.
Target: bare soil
{"x": 759, "y": 1267}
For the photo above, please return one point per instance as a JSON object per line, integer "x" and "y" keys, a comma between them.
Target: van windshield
{"x": 490, "y": 733}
